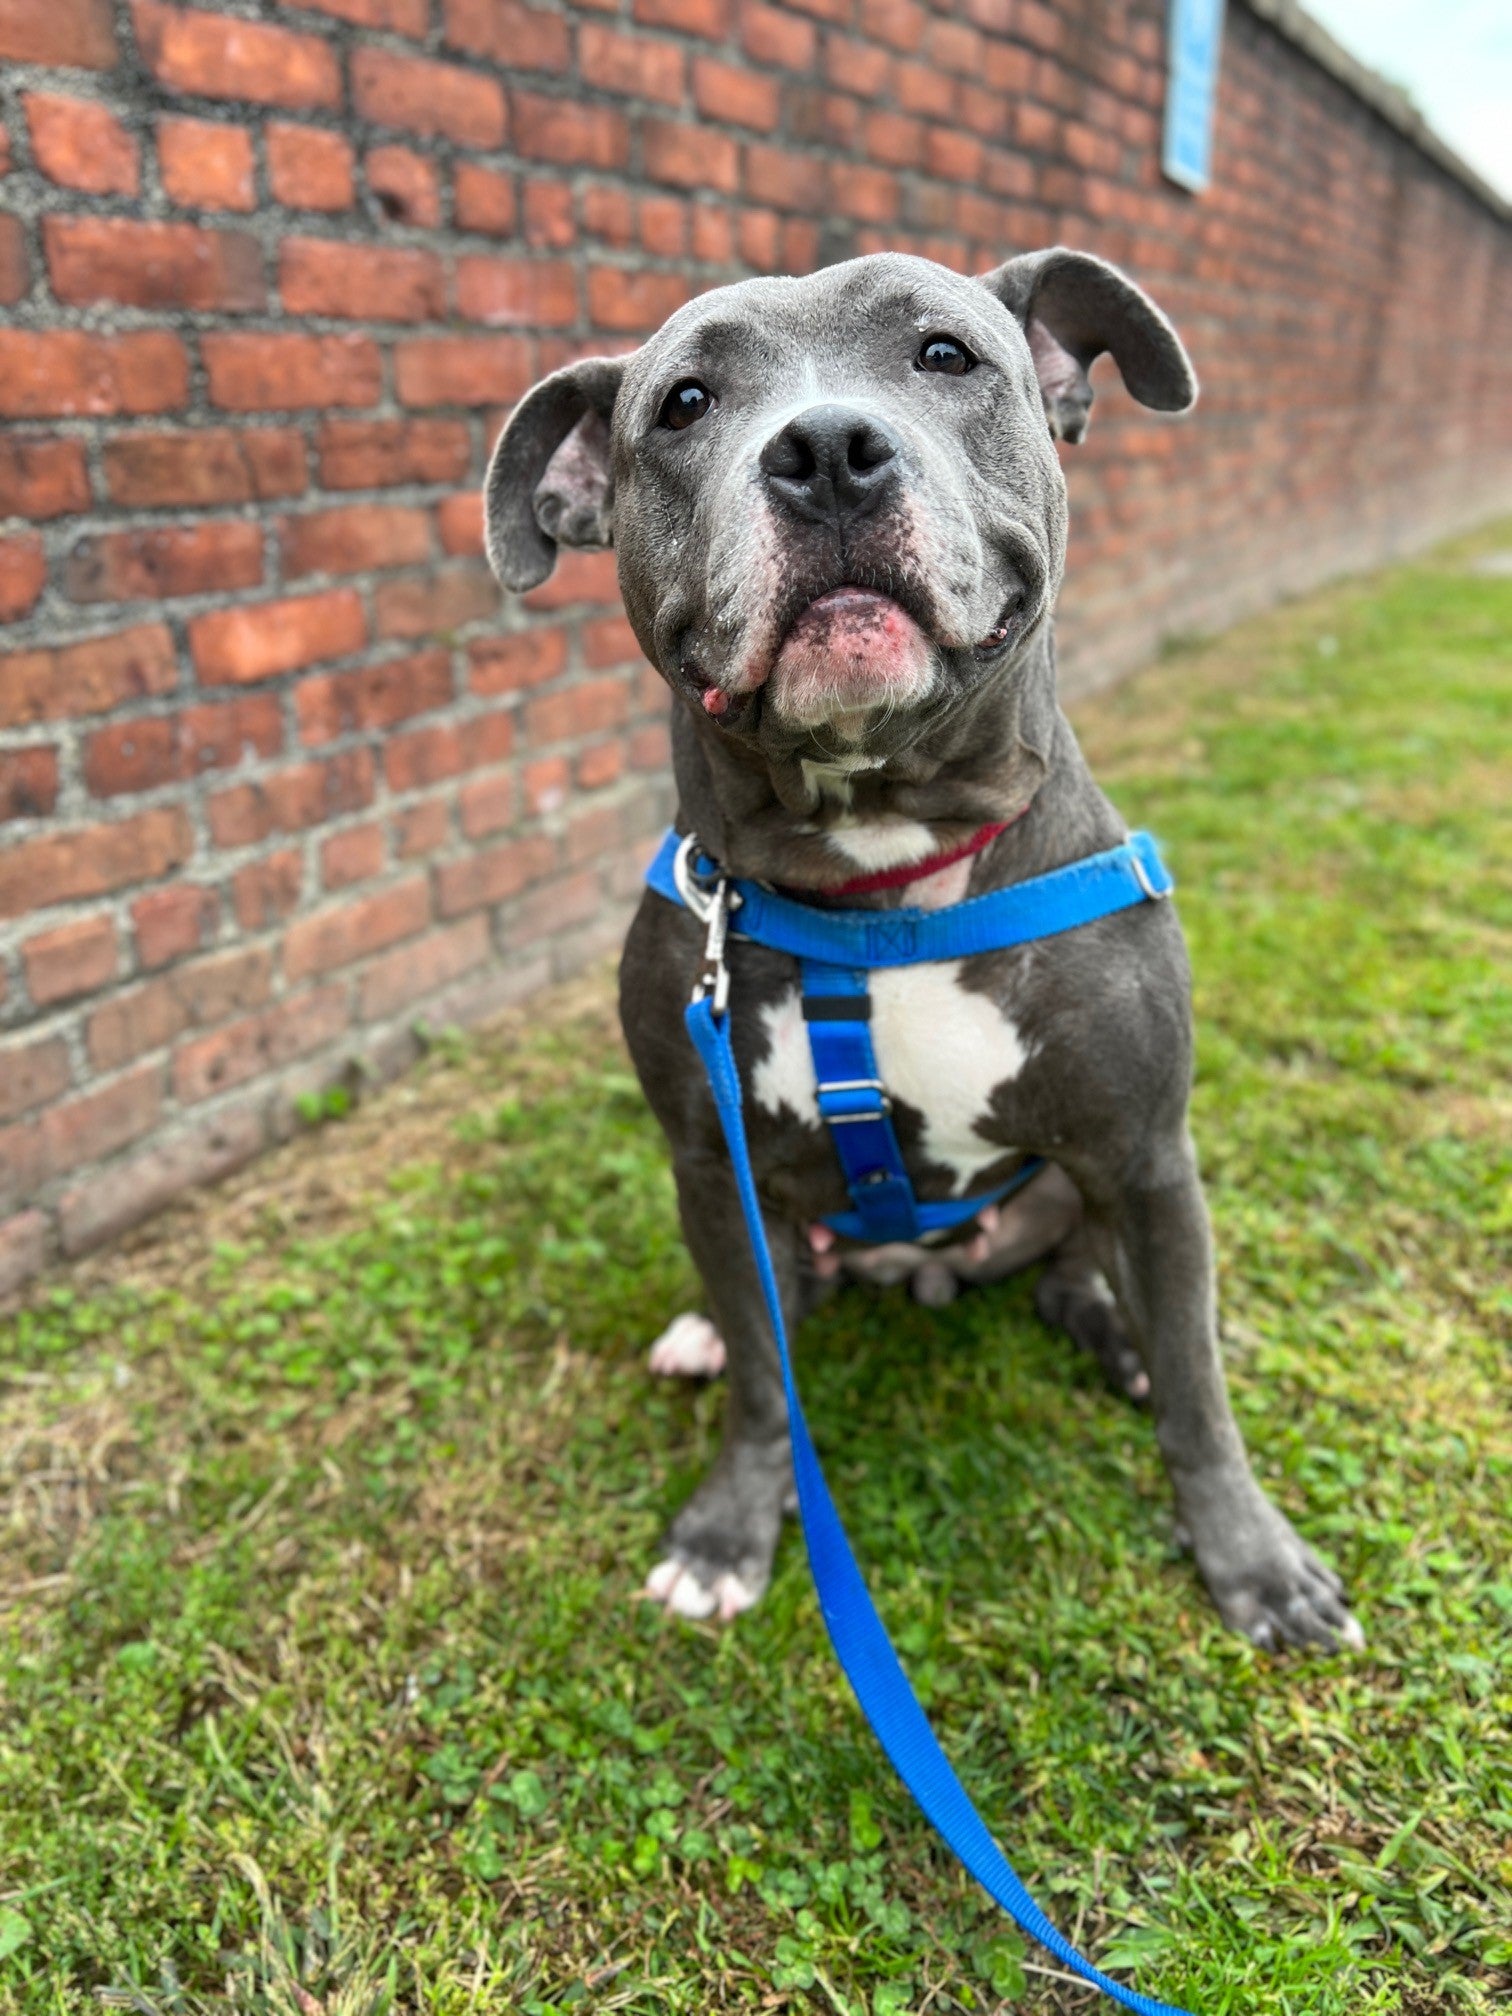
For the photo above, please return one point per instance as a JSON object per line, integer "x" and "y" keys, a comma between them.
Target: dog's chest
{"x": 942, "y": 1049}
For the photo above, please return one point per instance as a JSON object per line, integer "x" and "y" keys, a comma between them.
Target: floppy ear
{"x": 550, "y": 481}
{"x": 1072, "y": 307}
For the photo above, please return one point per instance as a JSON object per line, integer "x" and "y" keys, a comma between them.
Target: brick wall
{"x": 278, "y": 776}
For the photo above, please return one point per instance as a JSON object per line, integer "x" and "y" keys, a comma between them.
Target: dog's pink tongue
{"x": 852, "y": 646}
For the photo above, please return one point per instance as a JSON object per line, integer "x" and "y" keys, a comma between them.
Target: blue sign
{"x": 1195, "y": 36}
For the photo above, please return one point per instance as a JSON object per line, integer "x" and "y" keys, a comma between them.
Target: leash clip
{"x": 712, "y": 908}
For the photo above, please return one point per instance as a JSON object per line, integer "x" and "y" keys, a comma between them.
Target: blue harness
{"x": 836, "y": 950}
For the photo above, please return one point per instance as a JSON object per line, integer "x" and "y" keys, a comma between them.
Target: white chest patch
{"x": 882, "y": 843}
{"x": 941, "y": 1049}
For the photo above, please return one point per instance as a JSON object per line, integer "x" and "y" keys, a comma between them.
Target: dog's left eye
{"x": 685, "y": 403}
{"x": 943, "y": 353}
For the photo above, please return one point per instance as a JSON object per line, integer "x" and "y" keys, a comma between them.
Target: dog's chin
{"x": 851, "y": 654}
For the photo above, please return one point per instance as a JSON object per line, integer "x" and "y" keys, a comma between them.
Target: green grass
{"x": 322, "y": 1685}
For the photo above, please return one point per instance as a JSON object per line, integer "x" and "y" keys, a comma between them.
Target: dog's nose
{"x": 831, "y": 463}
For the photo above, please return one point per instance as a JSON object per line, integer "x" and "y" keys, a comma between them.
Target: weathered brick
{"x": 15, "y": 260}
{"x": 58, "y": 373}
{"x": 193, "y": 996}
{"x": 64, "y": 867}
{"x": 577, "y": 136}
{"x": 152, "y": 265}
{"x": 621, "y": 298}
{"x": 165, "y": 560}
{"x": 663, "y": 226}
{"x": 708, "y": 18}
{"x": 387, "y": 283}
{"x": 34, "y": 1071}
{"x": 28, "y": 783}
{"x": 333, "y": 704}
{"x": 427, "y": 97}
{"x": 461, "y": 371}
{"x": 349, "y": 931}
{"x": 491, "y": 874}
{"x": 355, "y": 854}
{"x": 690, "y": 157}
{"x": 556, "y": 906}
{"x": 353, "y": 539}
{"x": 169, "y": 748}
{"x": 78, "y": 958}
{"x": 486, "y": 805}
{"x": 74, "y": 34}
{"x": 483, "y": 200}
{"x": 228, "y": 56}
{"x": 103, "y": 1205}
{"x": 523, "y": 293}
{"x": 262, "y": 639}
{"x": 23, "y": 574}
{"x": 309, "y": 168}
{"x": 735, "y": 96}
{"x": 602, "y": 763}
{"x": 25, "y": 1248}
{"x": 443, "y": 600}
{"x": 524, "y": 38}
{"x": 169, "y": 923}
{"x": 421, "y": 827}
{"x": 406, "y": 186}
{"x": 206, "y": 165}
{"x": 577, "y": 710}
{"x": 254, "y": 373}
{"x": 397, "y": 979}
{"x": 259, "y": 1043}
{"x": 578, "y": 577}
{"x": 82, "y": 145}
{"x": 101, "y": 1120}
{"x": 398, "y": 17}
{"x": 377, "y": 454}
{"x": 86, "y": 678}
{"x": 267, "y": 890}
{"x": 426, "y": 755}
{"x": 460, "y": 522}
{"x": 290, "y": 801}
{"x": 212, "y": 466}
{"x": 550, "y": 222}
{"x": 546, "y": 782}
{"x": 634, "y": 65}
{"x": 42, "y": 478}
{"x": 771, "y": 35}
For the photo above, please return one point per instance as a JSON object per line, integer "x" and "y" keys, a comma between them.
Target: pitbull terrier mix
{"x": 841, "y": 526}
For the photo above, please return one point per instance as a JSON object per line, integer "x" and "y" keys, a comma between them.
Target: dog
{"x": 840, "y": 525}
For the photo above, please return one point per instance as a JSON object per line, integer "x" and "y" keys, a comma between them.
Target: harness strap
{"x": 856, "y": 1631}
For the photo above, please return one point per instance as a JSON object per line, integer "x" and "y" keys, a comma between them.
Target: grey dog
{"x": 840, "y": 522}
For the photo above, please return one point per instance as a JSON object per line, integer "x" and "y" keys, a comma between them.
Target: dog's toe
{"x": 681, "y": 1592}
{"x": 689, "y": 1348}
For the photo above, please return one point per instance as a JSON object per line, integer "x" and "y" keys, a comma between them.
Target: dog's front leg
{"x": 1264, "y": 1579}
{"x": 719, "y": 1549}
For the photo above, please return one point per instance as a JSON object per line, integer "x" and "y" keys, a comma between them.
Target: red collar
{"x": 916, "y": 871}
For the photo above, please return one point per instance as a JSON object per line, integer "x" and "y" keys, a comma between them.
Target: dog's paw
{"x": 1269, "y": 1585}
{"x": 689, "y": 1348}
{"x": 681, "y": 1590}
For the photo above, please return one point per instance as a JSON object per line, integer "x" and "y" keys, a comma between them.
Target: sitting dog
{"x": 840, "y": 522}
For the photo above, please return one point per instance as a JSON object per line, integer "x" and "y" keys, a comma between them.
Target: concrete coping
{"x": 1389, "y": 100}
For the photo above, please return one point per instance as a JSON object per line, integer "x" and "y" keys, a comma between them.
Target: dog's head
{"x": 836, "y": 500}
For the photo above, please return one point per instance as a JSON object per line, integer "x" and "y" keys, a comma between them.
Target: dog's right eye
{"x": 685, "y": 403}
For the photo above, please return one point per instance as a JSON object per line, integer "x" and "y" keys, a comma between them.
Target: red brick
{"x": 86, "y": 678}
{"x": 227, "y": 56}
{"x": 422, "y": 827}
{"x": 196, "y": 996}
{"x": 483, "y": 200}
{"x": 609, "y": 641}
{"x": 62, "y": 372}
{"x": 165, "y": 560}
{"x": 103, "y": 1119}
{"x": 427, "y": 97}
{"x": 726, "y": 92}
{"x": 609, "y": 214}
{"x": 333, "y": 704}
{"x": 267, "y": 890}
{"x": 206, "y": 165}
{"x": 690, "y": 157}
{"x": 709, "y": 18}
{"x": 664, "y": 226}
{"x": 23, "y": 574}
{"x": 631, "y": 64}
{"x": 487, "y": 805}
{"x": 462, "y": 371}
{"x": 165, "y": 749}
{"x": 549, "y": 223}
{"x": 42, "y": 478}
{"x": 73, "y": 34}
{"x": 446, "y": 749}
{"x": 398, "y": 17}
{"x": 353, "y": 539}
{"x": 309, "y": 169}
{"x": 406, "y": 186}
{"x": 409, "y": 973}
{"x": 307, "y": 794}
{"x": 786, "y": 180}
{"x": 15, "y": 260}
{"x": 491, "y": 874}
{"x": 375, "y": 454}
{"x": 353, "y": 855}
{"x": 523, "y": 293}
{"x": 33, "y": 1071}
{"x": 556, "y": 906}
{"x": 577, "y": 710}
{"x": 621, "y": 299}
{"x": 546, "y": 782}
{"x": 25, "y": 1246}
{"x": 211, "y": 466}
{"x": 349, "y": 931}
{"x": 918, "y": 88}
{"x": 172, "y": 922}
{"x": 28, "y": 783}
{"x": 713, "y": 234}
{"x": 524, "y": 38}
{"x": 651, "y": 747}
{"x": 894, "y": 138}
{"x": 510, "y": 664}
{"x": 772, "y": 36}
{"x": 152, "y": 265}
{"x": 578, "y": 577}
{"x": 600, "y": 765}
{"x": 92, "y": 860}
{"x": 75, "y": 959}
{"x": 82, "y": 145}
{"x": 869, "y": 194}
{"x": 460, "y": 520}
{"x": 577, "y": 136}
{"x": 262, "y": 639}
{"x": 253, "y": 373}
{"x": 259, "y": 1043}
{"x": 386, "y": 283}
{"x": 444, "y": 600}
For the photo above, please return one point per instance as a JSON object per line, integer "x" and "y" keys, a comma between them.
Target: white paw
{"x": 689, "y": 1348}
{"x": 678, "y": 1590}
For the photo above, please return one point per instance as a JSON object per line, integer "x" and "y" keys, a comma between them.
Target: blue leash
{"x": 856, "y": 1631}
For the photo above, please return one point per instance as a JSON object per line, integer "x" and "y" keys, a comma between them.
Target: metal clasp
{"x": 712, "y": 903}
{"x": 1142, "y": 875}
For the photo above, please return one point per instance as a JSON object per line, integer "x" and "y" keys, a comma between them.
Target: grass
{"x": 322, "y": 1686}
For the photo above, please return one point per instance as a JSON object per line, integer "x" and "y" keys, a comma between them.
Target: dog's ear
{"x": 550, "y": 483}
{"x": 1072, "y": 307}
